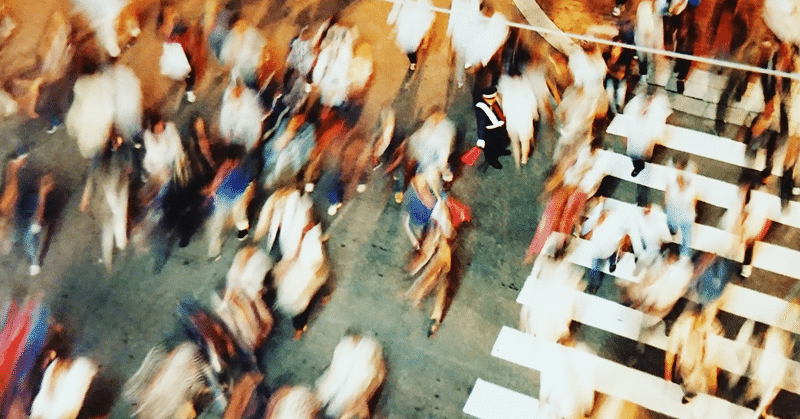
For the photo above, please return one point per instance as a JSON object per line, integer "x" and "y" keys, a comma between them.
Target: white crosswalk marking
{"x": 490, "y": 401}
{"x": 645, "y": 390}
{"x": 738, "y": 300}
{"x": 623, "y": 321}
{"x": 704, "y": 145}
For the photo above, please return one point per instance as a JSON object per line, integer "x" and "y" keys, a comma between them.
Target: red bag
{"x": 459, "y": 212}
{"x": 471, "y": 156}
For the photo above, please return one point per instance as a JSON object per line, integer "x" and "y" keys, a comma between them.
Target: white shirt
{"x": 411, "y": 22}
{"x": 646, "y": 126}
{"x": 607, "y": 235}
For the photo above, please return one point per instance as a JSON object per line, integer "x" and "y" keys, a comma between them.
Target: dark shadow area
{"x": 101, "y": 396}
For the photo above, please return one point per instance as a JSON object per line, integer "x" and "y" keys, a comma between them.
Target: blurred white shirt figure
{"x": 432, "y": 143}
{"x": 411, "y": 22}
{"x": 330, "y": 74}
{"x": 241, "y": 116}
{"x": 241, "y": 51}
{"x": 770, "y": 369}
{"x": 588, "y": 67}
{"x": 487, "y": 38}
{"x": 549, "y": 314}
{"x": 567, "y": 384}
{"x": 102, "y": 16}
{"x": 63, "y": 389}
{"x": 462, "y": 24}
{"x": 781, "y": 17}
{"x": 647, "y": 115}
{"x": 649, "y": 33}
{"x": 519, "y": 105}
{"x": 653, "y": 229}
{"x": 692, "y": 354}
{"x": 163, "y": 151}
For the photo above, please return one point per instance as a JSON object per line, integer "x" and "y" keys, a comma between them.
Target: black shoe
{"x": 687, "y": 398}
{"x": 592, "y": 289}
{"x": 496, "y": 164}
{"x": 635, "y": 172}
{"x": 612, "y": 266}
{"x": 505, "y": 153}
{"x": 681, "y": 85}
{"x": 242, "y": 235}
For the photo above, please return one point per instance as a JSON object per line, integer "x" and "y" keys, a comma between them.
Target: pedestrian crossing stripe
{"x": 704, "y": 145}
{"x": 651, "y": 392}
{"x": 711, "y": 191}
{"x": 615, "y": 318}
{"x": 737, "y": 300}
{"x": 766, "y": 256}
{"x": 490, "y": 401}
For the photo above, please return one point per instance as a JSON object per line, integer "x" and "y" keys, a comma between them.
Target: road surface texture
{"x": 116, "y": 318}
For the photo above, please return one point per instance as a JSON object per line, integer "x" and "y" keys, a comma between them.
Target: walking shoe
{"x": 334, "y": 208}
{"x": 616, "y": 12}
{"x": 361, "y": 188}
{"x": 412, "y": 66}
{"x": 190, "y": 97}
{"x": 52, "y": 129}
{"x": 241, "y": 235}
{"x": 746, "y": 271}
{"x": 796, "y": 190}
{"x": 496, "y": 165}
{"x": 592, "y": 289}
{"x": 309, "y": 187}
{"x": 447, "y": 176}
{"x": 636, "y": 172}
{"x": 34, "y": 270}
{"x": 681, "y": 85}
{"x": 398, "y": 197}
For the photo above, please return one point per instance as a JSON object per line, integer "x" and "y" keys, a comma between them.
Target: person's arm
{"x": 223, "y": 171}
{"x": 669, "y": 361}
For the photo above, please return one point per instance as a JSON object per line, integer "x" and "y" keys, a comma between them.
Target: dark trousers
{"x": 412, "y": 57}
{"x": 638, "y": 164}
{"x": 497, "y": 143}
{"x": 787, "y": 184}
{"x": 734, "y": 89}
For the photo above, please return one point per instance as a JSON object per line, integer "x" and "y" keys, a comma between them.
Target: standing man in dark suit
{"x": 492, "y": 134}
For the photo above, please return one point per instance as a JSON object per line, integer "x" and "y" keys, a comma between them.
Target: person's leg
{"x": 642, "y": 195}
{"x": 492, "y": 155}
{"x": 121, "y": 219}
{"x": 215, "y": 227}
{"x": 547, "y": 224}
{"x": 732, "y": 85}
{"x": 32, "y": 241}
{"x": 107, "y": 240}
{"x": 191, "y": 78}
{"x": 412, "y": 59}
{"x": 638, "y": 166}
{"x": 686, "y": 239}
{"x": 239, "y": 210}
{"x": 596, "y": 276}
{"x": 772, "y": 144}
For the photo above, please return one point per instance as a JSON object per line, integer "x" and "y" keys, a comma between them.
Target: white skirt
{"x": 519, "y": 106}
